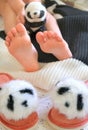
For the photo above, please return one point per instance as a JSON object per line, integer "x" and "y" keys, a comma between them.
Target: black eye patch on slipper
{"x": 79, "y": 102}
{"x": 26, "y": 91}
{"x": 63, "y": 90}
{"x": 10, "y": 103}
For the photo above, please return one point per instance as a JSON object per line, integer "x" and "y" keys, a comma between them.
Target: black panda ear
{"x": 26, "y": 5}
{"x": 63, "y": 90}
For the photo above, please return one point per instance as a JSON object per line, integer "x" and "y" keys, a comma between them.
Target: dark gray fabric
{"x": 75, "y": 31}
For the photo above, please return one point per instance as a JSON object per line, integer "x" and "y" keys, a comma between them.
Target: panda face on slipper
{"x": 18, "y": 99}
{"x": 70, "y": 97}
{"x": 35, "y": 14}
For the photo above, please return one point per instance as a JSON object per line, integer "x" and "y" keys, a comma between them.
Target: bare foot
{"x": 20, "y": 46}
{"x": 50, "y": 42}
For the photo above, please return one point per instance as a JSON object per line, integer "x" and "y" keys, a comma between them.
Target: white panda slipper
{"x": 17, "y": 110}
{"x": 70, "y": 105}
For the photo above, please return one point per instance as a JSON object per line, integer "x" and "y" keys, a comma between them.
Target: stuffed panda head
{"x": 35, "y": 16}
{"x": 18, "y": 99}
{"x": 70, "y": 97}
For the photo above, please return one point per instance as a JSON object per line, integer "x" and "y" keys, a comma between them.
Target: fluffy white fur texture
{"x": 67, "y": 102}
{"x": 35, "y": 7}
{"x": 19, "y": 111}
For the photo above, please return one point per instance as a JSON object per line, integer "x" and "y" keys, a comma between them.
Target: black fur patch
{"x": 67, "y": 104}
{"x": 0, "y": 88}
{"x": 41, "y": 14}
{"x": 29, "y": 15}
{"x": 25, "y": 103}
{"x": 26, "y": 90}
{"x": 35, "y": 24}
{"x": 10, "y": 104}
{"x": 63, "y": 90}
{"x": 79, "y": 102}
{"x": 26, "y": 5}
{"x": 49, "y": 3}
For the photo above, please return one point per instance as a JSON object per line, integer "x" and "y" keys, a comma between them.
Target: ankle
{"x": 63, "y": 55}
{"x": 32, "y": 68}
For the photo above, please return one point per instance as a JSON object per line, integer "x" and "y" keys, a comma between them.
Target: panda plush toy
{"x": 18, "y": 104}
{"x": 70, "y": 105}
{"x": 35, "y": 17}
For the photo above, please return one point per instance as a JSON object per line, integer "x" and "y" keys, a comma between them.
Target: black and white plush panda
{"x": 35, "y": 16}
{"x": 18, "y": 99}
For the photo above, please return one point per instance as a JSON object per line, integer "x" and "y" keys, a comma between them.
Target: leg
{"x": 50, "y": 42}
{"x": 18, "y": 8}
{"x": 8, "y": 15}
{"x": 20, "y": 46}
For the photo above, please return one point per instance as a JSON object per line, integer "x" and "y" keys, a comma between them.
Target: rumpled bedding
{"x": 74, "y": 28}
